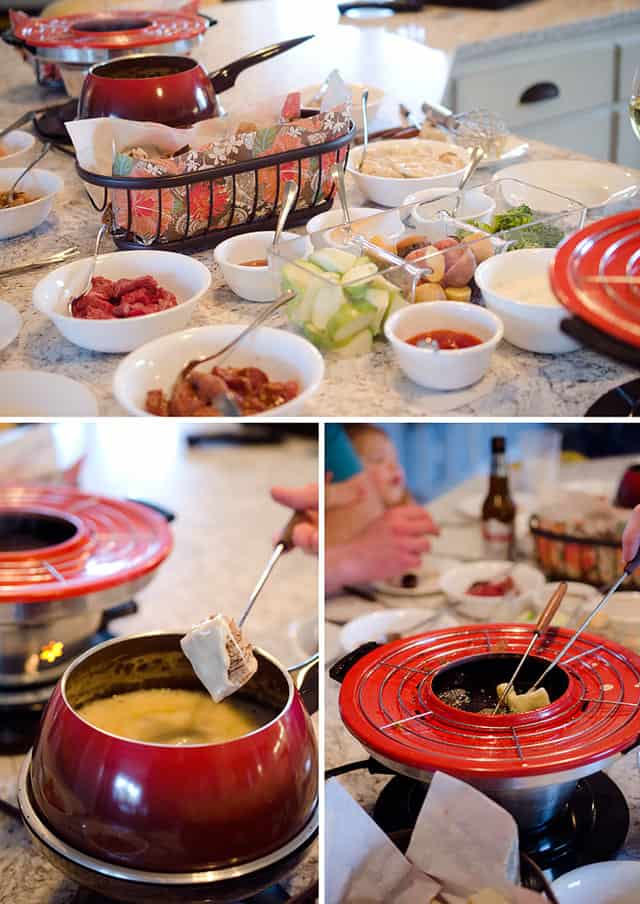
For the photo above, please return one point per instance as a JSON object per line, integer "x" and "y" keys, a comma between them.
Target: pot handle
{"x": 9, "y": 38}
{"x": 169, "y": 516}
{"x": 306, "y": 681}
{"x": 339, "y": 669}
{"x": 226, "y": 76}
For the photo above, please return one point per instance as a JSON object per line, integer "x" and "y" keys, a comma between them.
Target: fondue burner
{"x": 21, "y": 708}
{"x": 591, "y": 827}
{"x": 530, "y": 763}
{"x": 65, "y": 558}
{"x": 623, "y": 401}
{"x": 63, "y": 47}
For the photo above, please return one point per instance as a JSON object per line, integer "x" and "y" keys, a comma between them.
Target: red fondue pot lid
{"x": 120, "y": 30}
{"x": 585, "y": 724}
{"x": 608, "y": 247}
{"x": 57, "y": 542}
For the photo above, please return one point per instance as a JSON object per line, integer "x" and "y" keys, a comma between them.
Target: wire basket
{"x": 121, "y": 191}
{"x": 563, "y": 556}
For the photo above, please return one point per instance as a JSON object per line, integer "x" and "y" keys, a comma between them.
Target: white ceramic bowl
{"x": 613, "y": 882}
{"x": 41, "y": 184}
{"x": 588, "y": 182}
{"x": 376, "y": 96}
{"x": 39, "y": 393}
{"x": 474, "y": 205}
{"x": 456, "y": 582}
{"x": 390, "y": 192}
{"x": 186, "y": 277}
{"x": 17, "y": 147}
{"x": 533, "y": 327}
{"x": 452, "y": 369}
{"x": 254, "y": 283}
{"x": 281, "y": 354}
{"x": 317, "y": 226}
{"x": 378, "y": 626}
{"x": 10, "y": 324}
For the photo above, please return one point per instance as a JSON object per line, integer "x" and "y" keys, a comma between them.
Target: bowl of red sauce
{"x": 444, "y": 344}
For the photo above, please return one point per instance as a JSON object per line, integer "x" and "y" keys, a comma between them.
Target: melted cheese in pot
{"x": 175, "y": 716}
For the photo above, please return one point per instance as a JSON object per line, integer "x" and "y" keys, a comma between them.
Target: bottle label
{"x": 498, "y": 538}
{"x": 498, "y": 465}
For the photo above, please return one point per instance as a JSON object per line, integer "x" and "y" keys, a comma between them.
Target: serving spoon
{"x": 365, "y": 129}
{"x": 475, "y": 156}
{"x": 290, "y": 194}
{"x": 107, "y": 221}
{"x": 542, "y": 624}
{"x": 45, "y": 150}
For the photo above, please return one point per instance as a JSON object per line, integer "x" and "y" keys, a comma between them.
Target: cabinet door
{"x": 627, "y": 143}
{"x": 587, "y": 133}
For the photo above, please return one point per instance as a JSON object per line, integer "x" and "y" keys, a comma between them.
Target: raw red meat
{"x": 107, "y": 299}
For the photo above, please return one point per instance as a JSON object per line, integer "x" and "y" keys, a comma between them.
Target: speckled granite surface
{"x": 223, "y": 531}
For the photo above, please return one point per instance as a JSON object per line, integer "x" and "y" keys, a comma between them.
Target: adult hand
{"x": 631, "y": 536}
{"x": 391, "y": 545}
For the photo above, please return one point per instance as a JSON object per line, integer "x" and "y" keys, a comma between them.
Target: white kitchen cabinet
{"x": 588, "y": 132}
{"x": 569, "y": 92}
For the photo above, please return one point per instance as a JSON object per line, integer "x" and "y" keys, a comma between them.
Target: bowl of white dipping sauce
{"x": 515, "y": 286}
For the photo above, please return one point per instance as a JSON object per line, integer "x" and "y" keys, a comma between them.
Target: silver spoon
{"x": 45, "y": 150}
{"x": 477, "y": 154}
{"x": 365, "y": 129}
{"x": 290, "y": 195}
{"x": 262, "y": 316}
{"x": 430, "y": 343}
{"x": 107, "y": 220}
{"x": 338, "y": 177}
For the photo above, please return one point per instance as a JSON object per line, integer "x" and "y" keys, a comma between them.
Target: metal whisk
{"x": 475, "y": 128}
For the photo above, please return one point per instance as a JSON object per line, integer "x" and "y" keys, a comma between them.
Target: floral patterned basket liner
{"x": 161, "y": 215}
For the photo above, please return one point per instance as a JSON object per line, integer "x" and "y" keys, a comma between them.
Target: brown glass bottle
{"x": 498, "y": 509}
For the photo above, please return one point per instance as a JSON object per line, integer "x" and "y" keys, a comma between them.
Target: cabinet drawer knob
{"x": 540, "y": 92}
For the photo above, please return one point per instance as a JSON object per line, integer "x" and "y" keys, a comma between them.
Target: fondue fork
{"x": 542, "y": 624}
{"x": 284, "y": 544}
{"x": 629, "y": 568}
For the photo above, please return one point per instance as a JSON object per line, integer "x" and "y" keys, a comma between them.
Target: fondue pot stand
{"x": 206, "y": 822}
{"x": 66, "y": 557}
{"x": 530, "y": 763}
{"x": 64, "y": 47}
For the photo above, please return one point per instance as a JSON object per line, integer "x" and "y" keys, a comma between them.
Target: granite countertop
{"x": 518, "y": 384}
{"x": 458, "y": 533}
{"x": 223, "y": 531}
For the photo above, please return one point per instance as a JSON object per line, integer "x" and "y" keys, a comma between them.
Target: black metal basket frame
{"x": 211, "y": 237}
{"x": 550, "y": 534}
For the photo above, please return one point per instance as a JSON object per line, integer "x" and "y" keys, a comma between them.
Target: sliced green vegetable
{"x": 333, "y": 259}
{"x": 350, "y": 320}
{"x": 360, "y": 344}
{"x": 327, "y": 302}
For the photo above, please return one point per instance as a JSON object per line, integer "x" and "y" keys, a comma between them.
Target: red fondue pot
{"x": 174, "y": 90}
{"x": 165, "y": 807}
{"x": 391, "y": 702}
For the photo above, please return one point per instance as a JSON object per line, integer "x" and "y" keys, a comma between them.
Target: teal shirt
{"x": 341, "y": 459}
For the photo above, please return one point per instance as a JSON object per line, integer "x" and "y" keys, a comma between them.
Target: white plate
{"x": 615, "y": 882}
{"x": 38, "y": 393}
{"x": 10, "y": 323}
{"x": 428, "y": 578}
{"x": 588, "y": 182}
{"x": 471, "y": 505}
{"x": 376, "y": 626}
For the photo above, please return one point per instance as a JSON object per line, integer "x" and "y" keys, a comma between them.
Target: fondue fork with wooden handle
{"x": 284, "y": 544}
{"x": 629, "y": 568}
{"x": 544, "y": 620}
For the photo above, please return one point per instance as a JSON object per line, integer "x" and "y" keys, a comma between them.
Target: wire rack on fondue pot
{"x": 279, "y": 167}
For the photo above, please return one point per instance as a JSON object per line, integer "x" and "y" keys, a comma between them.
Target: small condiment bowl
{"x": 254, "y": 283}
{"x": 474, "y": 204}
{"x": 533, "y": 327}
{"x": 318, "y": 227}
{"x": 186, "y": 277}
{"x": 281, "y": 354}
{"x": 40, "y": 184}
{"x": 443, "y": 369}
{"x": 456, "y": 582}
{"x": 17, "y": 146}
